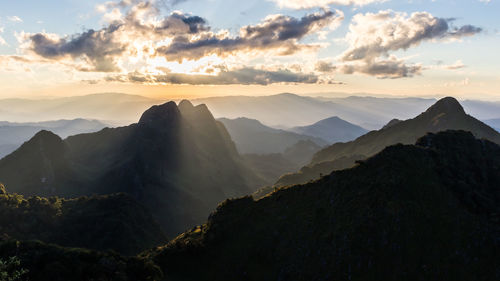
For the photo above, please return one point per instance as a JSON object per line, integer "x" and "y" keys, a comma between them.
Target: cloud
{"x": 457, "y": 65}
{"x": 307, "y": 4}
{"x": 14, "y": 19}
{"x": 372, "y": 37}
{"x": 100, "y": 50}
{"x": 2, "y": 41}
{"x": 97, "y": 48}
{"x": 391, "y": 67}
{"x": 245, "y": 76}
{"x": 325, "y": 67}
{"x": 136, "y": 35}
{"x": 277, "y": 32}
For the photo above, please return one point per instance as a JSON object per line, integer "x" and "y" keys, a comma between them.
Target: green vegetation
{"x": 55, "y": 263}
{"x": 11, "y": 270}
{"x": 114, "y": 222}
{"x": 412, "y": 212}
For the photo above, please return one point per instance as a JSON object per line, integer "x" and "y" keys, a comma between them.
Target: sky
{"x": 198, "y": 48}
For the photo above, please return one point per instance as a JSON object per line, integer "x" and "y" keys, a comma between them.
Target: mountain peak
{"x": 199, "y": 112}
{"x": 46, "y": 137}
{"x": 446, "y": 105}
{"x": 392, "y": 123}
{"x": 185, "y": 105}
{"x": 159, "y": 116}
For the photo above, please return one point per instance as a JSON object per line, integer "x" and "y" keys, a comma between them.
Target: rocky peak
{"x": 448, "y": 105}
{"x": 161, "y": 116}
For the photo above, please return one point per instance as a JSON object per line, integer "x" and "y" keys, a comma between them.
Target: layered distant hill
{"x": 110, "y": 222}
{"x": 282, "y": 110}
{"x": 114, "y": 108}
{"x": 178, "y": 161}
{"x": 289, "y": 110}
{"x": 12, "y": 135}
{"x": 251, "y": 136}
{"x": 446, "y": 114}
{"x": 495, "y": 123}
{"x": 332, "y": 129}
{"x": 412, "y": 212}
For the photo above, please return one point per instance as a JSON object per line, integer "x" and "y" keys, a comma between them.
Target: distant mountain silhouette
{"x": 290, "y": 110}
{"x": 177, "y": 160}
{"x": 12, "y": 135}
{"x": 412, "y": 212}
{"x": 495, "y": 123}
{"x": 123, "y": 225}
{"x": 446, "y": 114}
{"x": 252, "y": 137}
{"x": 113, "y": 108}
{"x": 332, "y": 129}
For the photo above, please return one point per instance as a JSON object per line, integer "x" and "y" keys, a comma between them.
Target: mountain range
{"x": 446, "y": 114}
{"x": 417, "y": 199}
{"x": 282, "y": 110}
{"x": 178, "y": 161}
{"x": 427, "y": 211}
{"x": 113, "y": 108}
{"x": 12, "y": 135}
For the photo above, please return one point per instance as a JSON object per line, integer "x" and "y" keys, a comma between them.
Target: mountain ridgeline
{"x": 12, "y": 135}
{"x": 412, "y": 212}
{"x": 177, "y": 160}
{"x": 253, "y": 137}
{"x": 446, "y": 114}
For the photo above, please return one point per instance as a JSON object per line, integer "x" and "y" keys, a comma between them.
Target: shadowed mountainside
{"x": 178, "y": 161}
{"x": 412, "y": 212}
{"x": 446, "y": 114}
{"x": 48, "y": 262}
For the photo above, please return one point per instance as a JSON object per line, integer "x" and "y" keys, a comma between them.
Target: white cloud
{"x": 15, "y": 19}
{"x": 2, "y": 41}
{"x": 307, "y": 4}
{"x": 372, "y": 37}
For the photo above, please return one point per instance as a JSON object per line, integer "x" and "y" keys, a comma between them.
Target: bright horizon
{"x": 194, "y": 49}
